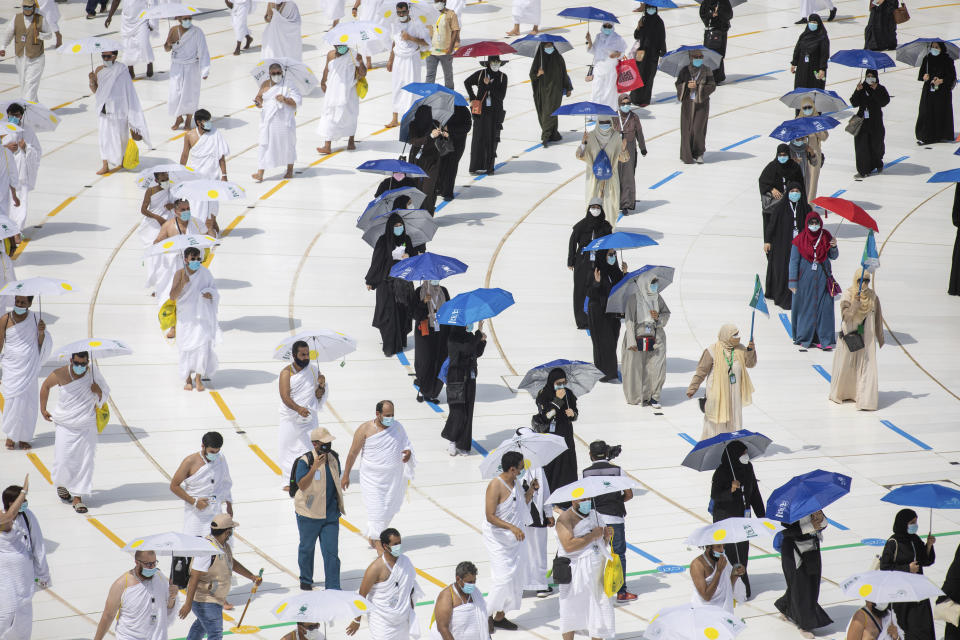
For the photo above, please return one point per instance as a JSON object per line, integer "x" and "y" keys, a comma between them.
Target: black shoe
{"x": 419, "y": 397}
{"x": 306, "y": 587}
{"x": 544, "y": 593}
{"x": 801, "y": 21}
{"x": 504, "y": 624}
{"x": 556, "y": 138}
{"x": 833, "y": 14}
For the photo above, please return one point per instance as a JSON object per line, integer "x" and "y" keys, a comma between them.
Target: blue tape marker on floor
{"x": 737, "y": 144}
{"x": 887, "y": 165}
{"x": 759, "y": 75}
{"x": 785, "y": 321}
{"x": 665, "y": 99}
{"x": 434, "y": 406}
{"x": 481, "y": 450}
{"x": 446, "y": 202}
{"x": 666, "y": 180}
{"x": 643, "y": 553}
{"x": 687, "y": 438}
{"x": 619, "y": 216}
{"x": 402, "y": 357}
{"x": 898, "y": 430}
{"x": 536, "y": 146}
{"x": 834, "y": 523}
{"x": 822, "y": 371}
{"x": 838, "y": 193}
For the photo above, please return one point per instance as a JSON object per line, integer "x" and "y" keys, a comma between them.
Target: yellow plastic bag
{"x": 131, "y": 157}
{"x": 362, "y": 87}
{"x": 612, "y": 575}
{"x": 168, "y": 315}
{"x": 103, "y": 416}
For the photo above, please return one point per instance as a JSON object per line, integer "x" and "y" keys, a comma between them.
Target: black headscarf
{"x": 548, "y": 393}
{"x": 593, "y": 223}
{"x": 775, "y": 175}
{"x": 731, "y": 459}
{"x": 941, "y": 66}
{"x": 904, "y": 517}
{"x": 392, "y": 239}
{"x": 423, "y": 122}
{"x": 808, "y": 38}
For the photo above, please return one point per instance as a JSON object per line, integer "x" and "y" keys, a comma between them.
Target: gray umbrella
{"x": 417, "y": 223}
{"x": 581, "y": 376}
{"x": 385, "y": 203}
{"x": 632, "y": 283}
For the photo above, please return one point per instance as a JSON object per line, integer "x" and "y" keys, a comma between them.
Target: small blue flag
{"x": 871, "y": 258}
{"x": 757, "y": 301}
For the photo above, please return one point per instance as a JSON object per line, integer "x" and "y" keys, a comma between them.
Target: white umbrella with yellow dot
{"x": 91, "y": 46}
{"x": 732, "y": 530}
{"x": 590, "y": 487}
{"x": 176, "y": 244}
{"x": 36, "y": 116}
{"x": 322, "y": 607}
{"x": 419, "y": 10}
{"x": 326, "y": 345}
{"x": 98, "y": 347}
{"x": 172, "y": 543}
{"x": 890, "y": 586}
{"x": 218, "y": 190}
{"x": 359, "y": 32}
{"x": 37, "y": 286}
{"x": 167, "y": 10}
{"x": 688, "y": 622}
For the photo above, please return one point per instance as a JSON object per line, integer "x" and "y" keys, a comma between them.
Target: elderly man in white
{"x": 118, "y": 109}
{"x": 410, "y": 37}
{"x": 278, "y": 103}
{"x": 189, "y": 63}
{"x": 136, "y": 32}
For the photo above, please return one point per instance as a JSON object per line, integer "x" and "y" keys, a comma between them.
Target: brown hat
{"x": 29, "y": 3}
{"x": 320, "y": 434}
{"x": 223, "y": 521}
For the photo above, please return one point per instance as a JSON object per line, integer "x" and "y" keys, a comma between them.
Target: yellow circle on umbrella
{"x": 526, "y": 464}
{"x": 12, "y": 127}
{"x": 377, "y": 30}
{"x": 423, "y": 19}
{"x": 865, "y": 590}
{"x": 53, "y": 118}
{"x": 66, "y": 286}
{"x": 719, "y": 534}
{"x": 134, "y": 545}
{"x": 344, "y": 38}
{"x": 313, "y": 354}
{"x": 94, "y": 343}
{"x": 213, "y": 193}
{"x": 388, "y": 13}
{"x": 192, "y": 9}
{"x": 769, "y": 525}
{"x": 360, "y": 604}
{"x": 168, "y": 244}
{"x": 576, "y": 493}
{"x": 711, "y": 633}
{"x": 281, "y": 608}
{"x": 76, "y": 48}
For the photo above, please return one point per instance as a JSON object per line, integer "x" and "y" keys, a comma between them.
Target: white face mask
{"x": 313, "y": 634}
{"x": 108, "y": 63}
{"x": 186, "y": 23}
{"x": 595, "y": 211}
{"x": 276, "y": 77}
{"x": 494, "y": 66}
{"x": 744, "y": 459}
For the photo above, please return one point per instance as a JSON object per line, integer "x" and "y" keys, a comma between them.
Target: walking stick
{"x": 249, "y": 628}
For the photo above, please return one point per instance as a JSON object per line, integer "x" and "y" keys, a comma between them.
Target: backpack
{"x": 308, "y": 458}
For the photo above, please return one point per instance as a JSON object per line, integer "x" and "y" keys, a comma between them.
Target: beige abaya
{"x": 608, "y": 191}
{"x": 723, "y": 412}
{"x": 854, "y": 375}
{"x": 814, "y": 154}
{"x": 644, "y": 372}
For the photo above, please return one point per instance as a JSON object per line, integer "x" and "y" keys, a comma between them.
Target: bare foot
{"x": 513, "y": 32}
{"x": 149, "y": 69}
{"x": 258, "y": 176}
{"x": 177, "y": 123}
{"x": 535, "y": 30}
{"x": 249, "y": 42}
{"x": 188, "y": 386}
{"x": 324, "y": 150}
{"x": 24, "y": 445}
{"x": 189, "y": 122}
{"x": 289, "y": 173}
{"x": 351, "y": 145}
{"x": 228, "y": 607}
{"x": 393, "y": 123}
{"x": 236, "y": 51}
{"x": 199, "y": 384}
{"x": 172, "y": 333}
{"x": 10, "y": 444}
{"x": 103, "y": 170}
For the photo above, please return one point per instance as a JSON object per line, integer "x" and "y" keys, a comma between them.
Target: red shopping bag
{"x": 628, "y": 76}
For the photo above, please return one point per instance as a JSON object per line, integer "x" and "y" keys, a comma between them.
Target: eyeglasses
{"x": 149, "y": 565}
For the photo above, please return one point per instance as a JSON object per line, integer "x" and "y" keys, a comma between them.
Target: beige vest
{"x": 214, "y": 584}
{"x": 312, "y": 502}
{"x": 27, "y": 39}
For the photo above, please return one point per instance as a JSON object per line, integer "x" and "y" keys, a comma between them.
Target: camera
{"x": 614, "y": 451}
{"x": 600, "y": 450}
{"x": 325, "y": 447}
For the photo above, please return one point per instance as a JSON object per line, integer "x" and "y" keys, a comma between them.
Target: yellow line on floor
{"x": 110, "y": 534}
{"x": 266, "y": 459}
{"x": 325, "y": 158}
{"x": 427, "y": 576}
{"x": 748, "y": 33}
{"x": 349, "y": 527}
{"x": 60, "y": 207}
{"x": 274, "y": 189}
{"x": 934, "y": 6}
{"x": 222, "y": 405}
{"x": 232, "y": 226}
{"x": 42, "y": 468}
{"x": 20, "y": 248}
{"x": 63, "y": 105}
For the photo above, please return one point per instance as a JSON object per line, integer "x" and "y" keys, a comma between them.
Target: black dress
{"x": 604, "y": 327}
{"x": 423, "y": 153}
{"x": 935, "y": 114}
{"x": 727, "y": 504}
{"x": 562, "y": 470}
{"x": 954, "y": 287}
{"x": 548, "y": 90}
{"x": 810, "y": 55}
{"x": 487, "y": 125}
{"x": 719, "y": 23}
{"x": 651, "y": 37}
{"x": 869, "y": 144}
{"x": 459, "y": 126}
{"x": 951, "y": 590}
{"x": 777, "y": 175}
{"x": 799, "y": 603}
{"x": 430, "y": 346}
{"x": 587, "y": 229}
{"x": 391, "y": 315}
{"x": 915, "y": 618}
{"x": 881, "y": 31}
{"x": 780, "y": 225}
{"x": 463, "y": 349}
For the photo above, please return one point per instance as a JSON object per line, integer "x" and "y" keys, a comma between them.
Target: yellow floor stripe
{"x": 266, "y": 459}
{"x": 110, "y": 534}
{"x": 177, "y": 137}
{"x": 231, "y": 226}
{"x": 42, "y": 468}
{"x": 62, "y": 105}
{"x": 60, "y": 207}
{"x": 223, "y": 405}
{"x": 226, "y": 617}
{"x": 273, "y": 190}
{"x": 20, "y": 248}
{"x": 324, "y": 158}
{"x": 748, "y": 33}
{"x": 349, "y": 527}
{"x": 429, "y": 577}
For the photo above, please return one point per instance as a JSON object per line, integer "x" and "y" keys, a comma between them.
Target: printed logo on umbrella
{"x": 782, "y": 508}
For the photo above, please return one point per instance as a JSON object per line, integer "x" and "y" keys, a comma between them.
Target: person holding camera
{"x": 610, "y": 507}
{"x": 318, "y": 502}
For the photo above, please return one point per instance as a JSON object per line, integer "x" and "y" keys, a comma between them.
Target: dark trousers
{"x": 92, "y": 6}
{"x": 619, "y": 541}
{"x": 328, "y": 531}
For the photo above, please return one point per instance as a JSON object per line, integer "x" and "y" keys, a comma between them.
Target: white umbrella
{"x": 890, "y": 586}
{"x": 206, "y": 189}
{"x": 166, "y": 10}
{"x": 7, "y": 127}
{"x": 8, "y": 228}
{"x": 591, "y": 487}
{"x": 37, "y": 286}
{"x": 296, "y": 73}
{"x": 419, "y": 10}
{"x": 322, "y": 606}
{"x": 732, "y": 530}
{"x": 172, "y": 543}
{"x": 177, "y": 244}
{"x": 538, "y": 449}
{"x": 177, "y": 173}
{"x": 687, "y": 622}
{"x": 90, "y": 45}
{"x": 35, "y": 115}
{"x": 98, "y": 347}
{"x": 358, "y": 32}
{"x": 325, "y": 345}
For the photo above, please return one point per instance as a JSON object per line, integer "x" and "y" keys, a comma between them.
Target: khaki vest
{"x": 214, "y": 584}
{"x": 312, "y": 502}
{"x": 27, "y": 39}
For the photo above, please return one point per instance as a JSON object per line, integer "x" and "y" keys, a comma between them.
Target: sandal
{"x": 79, "y": 507}
{"x": 63, "y": 494}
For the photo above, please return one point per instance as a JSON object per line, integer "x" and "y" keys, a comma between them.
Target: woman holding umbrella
{"x": 694, "y": 84}
{"x": 429, "y": 339}
{"x": 724, "y": 367}
{"x": 650, "y": 43}
{"x": 390, "y": 315}
{"x": 935, "y": 114}
{"x": 810, "y": 55}
{"x": 604, "y": 327}
{"x": 550, "y": 83}
{"x": 809, "y": 279}
{"x": 464, "y": 347}
{"x": 905, "y": 551}
{"x": 486, "y": 88}
{"x": 813, "y": 155}
{"x": 802, "y": 568}
{"x": 593, "y": 225}
{"x": 644, "y": 349}
{"x": 556, "y": 412}
{"x": 869, "y": 142}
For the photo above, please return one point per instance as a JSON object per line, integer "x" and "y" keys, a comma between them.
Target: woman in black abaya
{"x": 592, "y": 226}
{"x": 390, "y": 315}
{"x": 869, "y": 145}
{"x": 489, "y": 87}
{"x": 463, "y": 349}
{"x": 651, "y": 44}
{"x": 810, "y": 55}
{"x": 951, "y": 590}
{"x": 881, "y": 31}
{"x": 954, "y": 287}
{"x": 734, "y": 491}
{"x": 458, "y": 126}
{"x": 780, "y": 172}
{"x": 423, "y": 152}
{"x": 781, "y": 224}
{"x": 429, "y": 339}
{"x": 935, "y": 115}
{"x": 557, "y": 408}
{"x": 906, "y": 552}
{"x": 604, "y": 327}
{"x": 802, "y": 567}
{"x": 550, "y": 82}
{"x": 716, "y": 16}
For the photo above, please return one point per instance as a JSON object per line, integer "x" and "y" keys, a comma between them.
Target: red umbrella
{"x": 846, "y": 209}
{"x": 483, "y": 48}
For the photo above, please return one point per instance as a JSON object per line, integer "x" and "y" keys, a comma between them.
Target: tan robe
{"x": 814, "y": 155}
{"x": 607, "y": 190}
{"x": 694, "y": 110}
{"x": 735, "y": 415}
{"x": 854, "y": 375}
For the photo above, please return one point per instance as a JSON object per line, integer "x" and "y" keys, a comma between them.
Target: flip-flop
{"x": 79, "y": 507}
{"x": 63, "y": 494}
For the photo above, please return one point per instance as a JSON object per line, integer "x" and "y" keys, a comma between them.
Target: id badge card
{"x": 806, "y": 58}
{"x": 733, "y": 378}
{"x": 813, "y": 267}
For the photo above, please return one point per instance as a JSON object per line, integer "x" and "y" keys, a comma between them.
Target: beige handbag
{"x": 948, "y": 610}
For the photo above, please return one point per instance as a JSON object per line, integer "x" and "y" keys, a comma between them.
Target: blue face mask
{"x": 807, "y": 111}
{"x": 386, "y": 420}
{"x": 604, "y": 126}
{"x": 717, "y": 554}
{"x": 342, "y": 49}
{"x": 611, "y": 260}
{"x": 434, "y": 282}
{"x": 19, "y": 310}
{"x": 812, "y": 26}
{"x": 23, "y": 507}
{"x": 193, "y": 265}
{"x": 912, "y": 528}
{"x": 794, "y": 196}
{"x": 698, "y": 62}
{"x": 79, "y": 369}
{"x": 607, "y": 30}
{"x": 398, "y": 231}
{"x": 584, "y": 507}
{"x": 211, "y": 457}
{"x": 654, "y": 287}
{"x": 185, "y": 215}
{"x": 14, "y": 119}
{"x": 396, "y": 550}
{"x": 783, "y": 159}
{"x": 558, "y": 387}
{"x": 468, "y": 587}
{"x": 934, "y": 52}
{"x": 625, "y": 108}
{"x": 545, "y": 50}
{"x": 148, "y": 573}
{"x": 651, "y": 11}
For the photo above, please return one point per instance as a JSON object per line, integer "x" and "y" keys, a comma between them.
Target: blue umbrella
{"x": 620, "y": 240}
{"x": 799, "y": 127}
{"x": 663, "y": 4}
{"x": 957, "y": 152}
{"x": 673, "y": 61}
{"x": 388, "y": 166}
{"x": 528, "y": 45}
{"x": 806, "y": 494}
{"x": 384, "y": 203}
{"x": 589, "y": 13}
{"x": 581, "y": 376}
{"x": 473, "y": 306}
{"x": 952, "y": 175}
{"x": 823, "y": 101}
{"x": 425, "y": 89}
{"x": 932, "y": 496}
{"x": 630, "y": 284}
{"x": 707, "y": 454}
{"x": 584, "y": 109}
{"x": 863, "y": 59}
{"x": 914, "y": 51}
{"x": 427, "y": 266}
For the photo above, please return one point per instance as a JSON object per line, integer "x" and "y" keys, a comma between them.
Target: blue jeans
{"x": 620, "y": 547}
{"x": 328, "y": 531}
{"x": 209, "y": 621}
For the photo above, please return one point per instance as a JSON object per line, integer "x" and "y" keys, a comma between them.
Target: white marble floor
{"x": 292, "y": 259}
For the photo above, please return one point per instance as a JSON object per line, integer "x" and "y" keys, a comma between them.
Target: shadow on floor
{"x": 53, "y": 228}
{"x": 242, "y": 378}
{"x": 887, "y": 399}
{"x": 258, "y": 324}
{"x": 48, "y": 257}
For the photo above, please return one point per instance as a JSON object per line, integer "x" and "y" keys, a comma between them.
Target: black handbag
{"x": 854, "y": 341}
{"x": 443, "y": 145}
{"x": 713, "y": 39}
{"x": 562, "y": 573}
{"x": 456, "y": 392}
{"x": 539, "y": 424}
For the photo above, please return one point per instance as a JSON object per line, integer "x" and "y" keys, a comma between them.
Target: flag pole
{"x": 753, "y": 318}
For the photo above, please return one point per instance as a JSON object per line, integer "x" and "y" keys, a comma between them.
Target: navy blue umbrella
{"x": 528, "y": 45}
{"x": 425, "y": 89}
{"x": 584, "y": 109}
{"x": 931, "y": 496}
{"x": 806, "y": 494}
{"x": 388, "y": 166}
{"x": 589, "y": 13}
{"x": 473, "y": 306}
{"x": 620, "y": 240}
{"x": 799, "y": 127}
{"x": 427, "y": 266}
{"x": 707, "y": 454}
{"x": 863, "y": 59}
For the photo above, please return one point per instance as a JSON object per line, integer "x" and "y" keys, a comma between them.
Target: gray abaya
{"x": 644, "y": 372}
{"x": 629, "y": 126}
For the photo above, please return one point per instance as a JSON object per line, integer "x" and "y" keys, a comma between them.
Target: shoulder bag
{"x": 713, "y": 39}
{"x": 456, "y": 392}
{"x": 853, "y": 125}
{"x": 900, "y": 14}
{"x": 476, "y": 107}
{"x": 854, "y": 341}
{"x": 561, "y": 572}
{"x": 443, "y": 145}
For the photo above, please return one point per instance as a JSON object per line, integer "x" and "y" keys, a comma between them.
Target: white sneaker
{"x": 699, "y": 160}
{"x": 463, "y": 452}
{"x": 655, "y": 404}
{"x": 452, "y": 448}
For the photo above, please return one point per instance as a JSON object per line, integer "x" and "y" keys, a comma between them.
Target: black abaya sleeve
{"x": 768, "y": 178}
{"x": 498, "y": 89}
{"x": 795, "y": 60}
{"x": 756, "y": 501}
{"x": 572, "y": 404}
{"x": 573, "y": 248}
{"x": 823, "y": 51}
{"x": 380, "y": 263}
{"x": 951, "y": 584}
{"x": 956, "y": 206}
{"x": 881, "y": 97}
{"x": 473, "y": 80}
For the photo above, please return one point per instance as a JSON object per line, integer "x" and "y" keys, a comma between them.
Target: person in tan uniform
{"x": 27, "y": 31}
{"x": 854, "y": 375}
